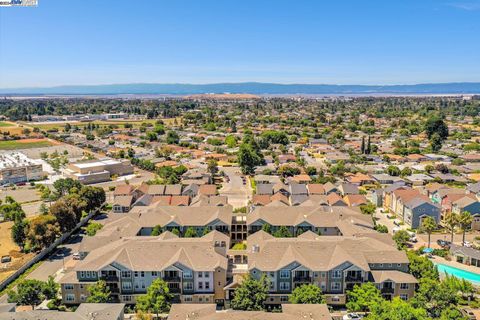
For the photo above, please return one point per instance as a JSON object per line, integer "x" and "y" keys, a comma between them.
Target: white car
{"x": 352, "y": 316}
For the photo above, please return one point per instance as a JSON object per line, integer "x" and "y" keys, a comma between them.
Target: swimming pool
{"x": 459, "y": 273}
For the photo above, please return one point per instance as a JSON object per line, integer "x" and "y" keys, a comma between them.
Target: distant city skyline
{"x": 87, "y": 42}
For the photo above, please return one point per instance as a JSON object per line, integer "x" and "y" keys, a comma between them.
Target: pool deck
{"x": 455, "y": 264}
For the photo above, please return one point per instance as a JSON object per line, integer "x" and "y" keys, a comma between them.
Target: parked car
{"x": 468, "y": 244}
{"x": 443, "y": 243}
{"x": 77, "y": 256}
{"x": 352, "y": 316}
{"x": 468, "y": 313}
{"x": 6, "y": 259}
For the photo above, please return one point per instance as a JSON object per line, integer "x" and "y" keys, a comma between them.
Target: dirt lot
{"x": 21, "y": 194}
{"x": 8, "y": 247}
{"x": 73, "y": 152}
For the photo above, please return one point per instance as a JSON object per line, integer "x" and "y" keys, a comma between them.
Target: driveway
{"x": 55, "y": 262}
{"x": 238, "y": 193}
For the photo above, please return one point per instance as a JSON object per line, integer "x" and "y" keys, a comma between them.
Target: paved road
{"x": 54, "y": 263}
{"x": 238, "y": 194}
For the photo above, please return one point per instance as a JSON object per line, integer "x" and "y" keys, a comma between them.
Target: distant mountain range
{"x": 257, "y": 88}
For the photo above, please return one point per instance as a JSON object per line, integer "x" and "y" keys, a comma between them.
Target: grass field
{"x": 6, "y": 124}
{"x": 119, "y": 123}
{"x": 25, "y": 144}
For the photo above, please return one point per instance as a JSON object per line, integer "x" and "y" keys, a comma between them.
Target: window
{"x": 284, "y": 285}
{"x": 154, "y": 274}
{"x": 187, "y": 274}
{"x": 200, "y": 285}
{"x": 200, "y": 274}
{"x": 283, "y": 298}
{"x": 143, "y": 284}
{"x": 284, "y": 274}
{"x": 142, "y": 274}
{"x": 200, "y": 299}
{"x": 336, "y": 286}
{"x": 399, "y": 265}
{"x": 207, "y": 274}
{"x": 335, "y": 299}
{"x": 82, "y": 274}
{"x": 83, "y": 297}
{"x": 70, "y": 297}
{"x": 187, "y": 286}
{"x": 68, "y": 287}
{"x": 404, "y": 286}
{"x": 337, "y": 274}
{"x": 207, "y": 285}
{"x": 126, "y": 274}
{"x": 187, "y": 299}
{"x": 136, "y": 274}
{"x": 88, "y": 274}
{"x": 324, "y": 274}
{"x": 404, "y": 296}
{"x": 127, "y": 298}
{"x": 126, "y": 285}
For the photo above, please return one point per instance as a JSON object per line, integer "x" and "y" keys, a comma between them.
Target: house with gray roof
{"x": 418, "y": 209}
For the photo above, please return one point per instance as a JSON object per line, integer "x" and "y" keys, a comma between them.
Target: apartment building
{"x": 289, "y": 312}
{"x": 98, "y": 171}
{"x": 194, "y": 268}
{"x": 16, "y": 167}
{"x": 335, "y": 264}
{"x": 324, "y": 220}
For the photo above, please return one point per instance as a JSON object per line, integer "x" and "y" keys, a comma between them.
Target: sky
{"x": 68, "y": 42}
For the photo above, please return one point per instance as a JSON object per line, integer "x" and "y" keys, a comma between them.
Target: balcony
{"x": 353, "y": 278}
{"x": 174, "y": 290}
{"x": 388, "y": 290}
{"x": 172, "y": 278}
{"x": 114, "y": 290}
{"x": 109, "y": 278}
{"x": 302, "y": 279}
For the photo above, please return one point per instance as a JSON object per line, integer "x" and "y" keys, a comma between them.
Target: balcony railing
{"x": 302, "y": 279}
{"x": 351, "y": 278}
{"x": 108, "y": 277}
{"x": 172, "y": 278}
{"x": 388, "y": 290}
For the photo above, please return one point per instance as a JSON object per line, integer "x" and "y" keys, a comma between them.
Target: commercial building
{"x": 16, "y": 167}
{"x": 98, "y": 171}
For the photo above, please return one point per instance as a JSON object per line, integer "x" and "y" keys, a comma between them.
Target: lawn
{"x": 24, "y": 144}
{"x": 6, "y": 124}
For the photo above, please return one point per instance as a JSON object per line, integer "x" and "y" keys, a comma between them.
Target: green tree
{"x": 206, "y": 231}
{"x": 451, "y": 221}
{"x": 396, "y": 309}
{"x": 92, "y": 228}
{"x": 282, "y": 232}
{"x": 247, "y": 159}
{"x": 452, "y": 314}
{"x": 231, "y": 141}
{"x": 464, "y": 221}
{"x": 190, "y": 233}
{"x": 19, "y": 232}
{"x": 393, "y": 171}
{"x": 99, "y": 292}
{"x": 267, "y": 228}
{"x": 50, "y": 288}
{"x": 307, "y": 294}
{"x": 363, "y": 298}
{"x": 212, "y": 166}
{"x": 251, "y": 294}
{"x": 401, "y": 238}
{"x": 435, "y": 125}
{"x": 436, "y": 142}
{"x": 421, "y": 267}
{"x": 29, "y": 292}
{"x": 428, "y": 226}
{"x": 172, "y": 137}
{"x": 157, "y": 299}
{"x": 157, "y": 230}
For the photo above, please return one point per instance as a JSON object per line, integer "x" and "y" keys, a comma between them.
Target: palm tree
{"x": 464, "y": 220}
{"x": 429, "y": 225}
{"x": 451, "y": 221}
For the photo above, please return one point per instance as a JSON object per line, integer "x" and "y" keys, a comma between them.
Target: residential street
{"x": 238, "y": 193}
